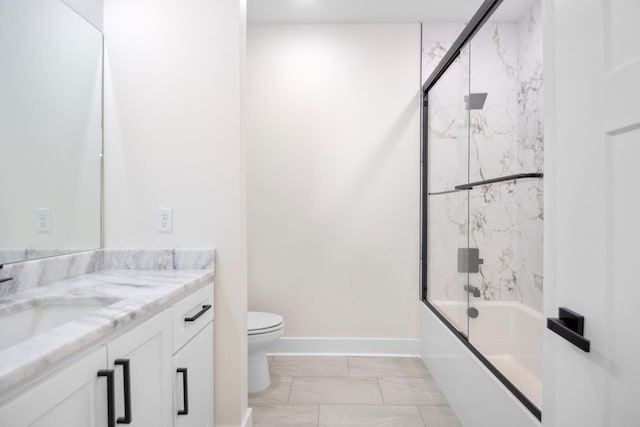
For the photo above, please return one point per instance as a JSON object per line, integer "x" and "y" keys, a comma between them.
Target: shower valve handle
{"x": 469, "y": 260}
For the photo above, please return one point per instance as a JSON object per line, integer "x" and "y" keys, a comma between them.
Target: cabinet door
{"x": 195, "y": 363}
{"x": 146, "y": 350}
{"x": 74, "y": 397}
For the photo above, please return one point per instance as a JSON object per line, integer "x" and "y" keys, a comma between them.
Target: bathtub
{"x": 509, "y": 335}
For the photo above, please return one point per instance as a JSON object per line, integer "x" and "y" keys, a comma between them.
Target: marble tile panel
{"x": 193, "y": 259}
{"x": 137, "y": 259}
{"x": 42, "y": 272}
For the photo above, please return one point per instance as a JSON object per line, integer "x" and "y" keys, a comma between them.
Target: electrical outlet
{"x": 43, "y": 220}
{"x": 165, "y": 220}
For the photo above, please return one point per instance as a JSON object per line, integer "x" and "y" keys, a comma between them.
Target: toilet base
{"x": 258, "y": 375}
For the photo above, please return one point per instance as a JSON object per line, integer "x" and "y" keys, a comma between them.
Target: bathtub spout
{"x": 472, "y": 290}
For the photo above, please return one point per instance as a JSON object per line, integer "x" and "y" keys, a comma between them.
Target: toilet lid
{"x": 260, "y": 323}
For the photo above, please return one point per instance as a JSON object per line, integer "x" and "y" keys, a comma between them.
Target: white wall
{"x": 172, "y": 138}
{"x": 368, "y": 11}
{"x": 91, "y": 10}
{"x": 333, "y": 177}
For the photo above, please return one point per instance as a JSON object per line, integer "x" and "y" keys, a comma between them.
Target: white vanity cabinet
{"x": 136, "y": 372}
{"x": 141, "y": 360}
{"x": 193, "y": 360}
{"x": 193, "y": 381}
{"x": 73, "y": 397}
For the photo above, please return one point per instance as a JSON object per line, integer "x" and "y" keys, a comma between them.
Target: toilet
{"x": 263, "y": 330}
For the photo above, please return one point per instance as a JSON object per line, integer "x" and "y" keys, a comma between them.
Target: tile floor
{"x": 350, "y": 391}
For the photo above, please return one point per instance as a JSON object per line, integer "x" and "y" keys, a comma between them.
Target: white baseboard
{"x": 248, "y": 418}
{"x": 389, "y": 347}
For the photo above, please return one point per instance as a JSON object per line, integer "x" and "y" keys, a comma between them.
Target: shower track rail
{"x": 471, "y": 185}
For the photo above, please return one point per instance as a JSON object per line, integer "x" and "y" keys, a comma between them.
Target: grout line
{"x": 290, "y": 387}
{"x": 420, "y": 412}
{"x": 377, "y": 377}
{"x": 380, "y": 390}
{"x": 315, "y": 402}
{"x": 355, "y": 404}
{"x": 383, "y": 375}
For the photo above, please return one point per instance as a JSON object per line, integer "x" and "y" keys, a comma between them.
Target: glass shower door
{"x": 447, "y": 208}
{"x": 483, "y": 211}
{"x": 505, "y": 206}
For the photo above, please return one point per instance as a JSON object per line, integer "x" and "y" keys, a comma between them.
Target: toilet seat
{"x": 263, "y": 323}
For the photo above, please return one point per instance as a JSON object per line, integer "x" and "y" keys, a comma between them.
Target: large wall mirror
{"x": 50, "y": 130}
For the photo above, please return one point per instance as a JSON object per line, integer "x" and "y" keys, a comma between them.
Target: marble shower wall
{"x": 504, "y": 137}
{"x": 530, "y": 157}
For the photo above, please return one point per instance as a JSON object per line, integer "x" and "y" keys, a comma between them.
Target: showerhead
{"x": 475, "y": 101}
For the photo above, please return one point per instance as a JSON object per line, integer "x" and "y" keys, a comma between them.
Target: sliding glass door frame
{"x": 485, "y": 11}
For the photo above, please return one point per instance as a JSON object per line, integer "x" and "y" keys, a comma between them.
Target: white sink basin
{"x": 40, "y": 317}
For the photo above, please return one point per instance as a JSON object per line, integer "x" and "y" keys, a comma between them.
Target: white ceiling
{"x": 362, "y": 11}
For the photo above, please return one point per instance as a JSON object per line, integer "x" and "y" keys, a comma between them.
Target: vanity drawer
{"x": 191, "y": 314}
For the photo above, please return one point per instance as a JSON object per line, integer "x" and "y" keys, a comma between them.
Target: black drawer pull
{"x": 193, "y": 318}
{"x": 570, "y": 326}
{"x": 111, "y": 409}
{"x": 126, "y": 380}
{"x": 185, "y": 392}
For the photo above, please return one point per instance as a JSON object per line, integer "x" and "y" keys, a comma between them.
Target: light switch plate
{"x": 43, "y": 220}
{"x": 165, "y": 220}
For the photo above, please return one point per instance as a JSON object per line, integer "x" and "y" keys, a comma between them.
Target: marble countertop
{"x": 121, "y": 297}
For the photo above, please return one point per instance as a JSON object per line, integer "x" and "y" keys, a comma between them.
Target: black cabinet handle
{"x": 126, "y": 380}
{"x": 111, "y": 409}
{"x": 193, "y": 318}
{"x": 570, "y": 326}
{"x": 185, "y": 391}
